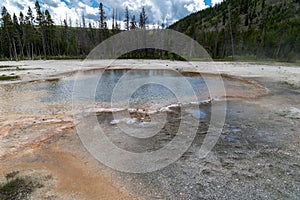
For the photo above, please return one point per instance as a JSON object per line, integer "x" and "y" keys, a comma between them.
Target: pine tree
{"x": 29, "y": 34}
{"x": 17, "y": 35}
{"x": 49, "y": 31}
{"x": 83, "y": 20}
{"x": 116, "y": 20}
{"x": 7, "y": 36}
{"x": 127, "y": 20}
{"x": 117, "y": 25}
{"x": 29, "y": 17}
{"x": 22, "y": 31}
{"x": 40, "y": 19}
{"x": 102, "y": 23}
{"x": 113, "y": 20}
{"x": 143, "y": 19}
{"x": 21, "y": 18}
{"x": 133, "y": 23}
{"x": 48, "y": 19}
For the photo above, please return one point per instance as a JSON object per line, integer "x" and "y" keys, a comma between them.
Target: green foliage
{"x": 11, "y": 175}
{"x": 151, "y": 54}
{"x": 8, "y": 78}
{"x": 234, "y": 28}
{"x": 6, "y": 66}
{"x": 34, "y": 36}
{"x": 102, "y": 23}
{"x": 143, "y": 19}
{"x": 17, "y": 188}
{"x": 289, "y": 85}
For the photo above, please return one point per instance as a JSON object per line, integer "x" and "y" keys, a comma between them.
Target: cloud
{"x": 52, "y": 3}
{"x": 158, "y": 11}
{"x": 195, "y": 6}
{"x": 214, "y": 2}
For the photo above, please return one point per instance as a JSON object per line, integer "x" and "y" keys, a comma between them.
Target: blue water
{"x": 197, "y": 113}
{"x": 62, "y": 90}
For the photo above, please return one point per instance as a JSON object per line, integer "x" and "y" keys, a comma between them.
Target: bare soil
{"x": 256, "y": 157}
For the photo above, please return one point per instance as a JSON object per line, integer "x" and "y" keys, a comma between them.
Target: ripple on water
{"x": 37, "y": 95}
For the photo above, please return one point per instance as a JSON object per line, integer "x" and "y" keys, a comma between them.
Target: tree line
{"x": 34, "y": 35}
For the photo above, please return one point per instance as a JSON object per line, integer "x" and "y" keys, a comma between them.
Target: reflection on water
{"x": 152, "y": 85}
{"x": 33, "y": 96}
{"x": 106, "y": 82}
{"x": 58, "y": 91}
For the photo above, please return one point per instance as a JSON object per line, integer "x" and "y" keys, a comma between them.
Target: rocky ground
{"x": 256, "y": 157}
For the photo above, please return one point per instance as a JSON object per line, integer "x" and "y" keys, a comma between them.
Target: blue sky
{"x": 207, "y": 2}
{"x": 158, "y": 11}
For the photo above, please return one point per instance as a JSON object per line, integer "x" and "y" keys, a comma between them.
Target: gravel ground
{"x": 256, "y": 157}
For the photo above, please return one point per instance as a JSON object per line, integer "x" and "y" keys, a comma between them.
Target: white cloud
{"x": 195, "y": 5}
{"x": 214, "y": 2}
{"x": 15, "y": 6}
{"x": 158, "y": 11}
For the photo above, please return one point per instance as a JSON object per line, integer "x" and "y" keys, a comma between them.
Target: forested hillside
{"x": 247, "y": 28}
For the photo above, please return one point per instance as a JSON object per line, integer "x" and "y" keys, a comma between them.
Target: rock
{"x": 115, "y": 122}
{"x": 292, "y": 113}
